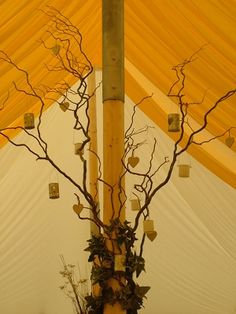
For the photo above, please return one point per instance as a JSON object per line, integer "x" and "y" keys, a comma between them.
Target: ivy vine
{"x": 130, "y": 295}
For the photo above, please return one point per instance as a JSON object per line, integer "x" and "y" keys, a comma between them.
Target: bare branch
{"x": 2, "y": 105}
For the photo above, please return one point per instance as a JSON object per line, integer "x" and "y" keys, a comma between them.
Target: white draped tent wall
{"x": 191, "y": 265}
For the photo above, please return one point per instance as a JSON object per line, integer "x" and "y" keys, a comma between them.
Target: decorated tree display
{"x": 112, "y": 247}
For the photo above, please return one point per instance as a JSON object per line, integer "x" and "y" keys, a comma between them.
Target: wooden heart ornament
{"x": 78, "y": 208}
{"x": 64, "y": 106}
{"x": 229, "y": 141}
{"x": 152, "y": 235}
{"x": 133, "y": 161}
{"x": 56, "y": 49}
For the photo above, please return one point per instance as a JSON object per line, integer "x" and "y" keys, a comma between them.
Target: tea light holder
{"x": 173, "y": 122}
{"x": 119, "y": 263}
{"x": 135, "y": 204}
{"x": 184, "y": 170}
{"x": 148, "y": 226}
{"x": 53, "y": 190}
{"x": 29, "y": 121}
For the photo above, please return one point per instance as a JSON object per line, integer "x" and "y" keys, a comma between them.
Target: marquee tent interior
{"x": 191, "y": 266}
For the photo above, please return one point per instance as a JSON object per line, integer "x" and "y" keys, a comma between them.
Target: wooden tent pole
{"x": 113, "y": 115}
{"x": 93, "y": 163}
{"x": 113, "y": 99}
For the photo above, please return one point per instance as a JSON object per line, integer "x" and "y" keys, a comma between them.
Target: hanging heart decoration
{"x": 64, "y": 106}
{"x": 56, "y": 49}
{"x": 229, "y": 141}
{"x": 78, "y": 208}
{"x": 133, "y": 161}
{"x": 151, "y": 235}
{"x": 78, "y": 150}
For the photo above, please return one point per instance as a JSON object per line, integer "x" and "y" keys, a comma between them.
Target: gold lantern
{"x": 135, "y": 204}
{"x": 29, "y": 120}
{"x": 184, "y": 170}
{"x": 148, "y": 229}
{"x": 78, "y": 150}
{"x": 119, "y": 265}
{"x": 173, "y": 122}
{"x": 148, "y": 226}
{"x": 54, "y": 190}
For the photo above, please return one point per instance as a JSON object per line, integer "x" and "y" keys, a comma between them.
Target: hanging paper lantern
{"x": 135, "y": 204}
{"x": 133, "y": 161}
{"x": 229, "y": 141}
{"x": 184, "y": 170}
{"x": 148, "y": 229}
{"x": 78, "y": 150}
{"x": 148, "y": 226}
{"x": 29, "y": 120}
{"x": 53, "y": 190}
{"x": 119, "y": 264}
{"x": 173, "y": 122}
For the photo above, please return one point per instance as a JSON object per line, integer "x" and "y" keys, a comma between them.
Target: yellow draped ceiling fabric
{"x": 158, "y": 35}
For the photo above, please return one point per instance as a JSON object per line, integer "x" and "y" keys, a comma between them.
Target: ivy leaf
{"x": 141, "y": 291}
{"x": 96, "y": 247}
{"x": 140, "y": 265}
{"x": 120, "y": 240}
{"x": 132, "y": 311}
{"x": 94, "y": 304}
{"x": 91, "y": 258}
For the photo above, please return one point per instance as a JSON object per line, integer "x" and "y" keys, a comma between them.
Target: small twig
{"x": 4, "y": 101}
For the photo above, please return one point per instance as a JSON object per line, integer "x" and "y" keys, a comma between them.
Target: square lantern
{"x": 29, "y": 121}
{"x": 135, "y": 204}
{"x": 148, "y": 226}
{"x": 173, "y": 122}
{"x": 119, "y": 263}
{"x": 54, "y": 190}
{"x": 184, "y": 170}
